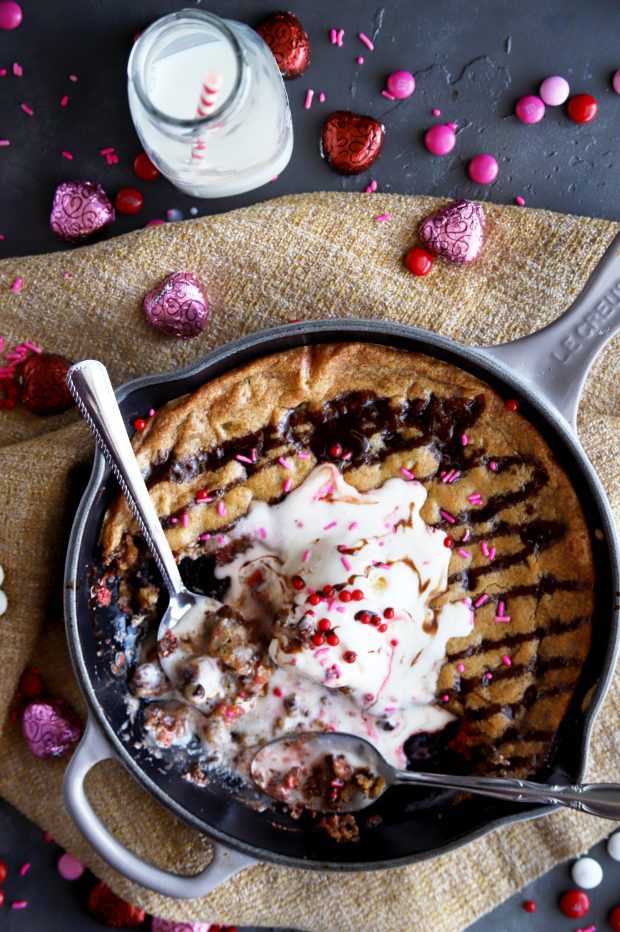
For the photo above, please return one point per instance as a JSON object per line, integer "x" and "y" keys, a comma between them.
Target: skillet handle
{"x": 93, "y": 748}
{"x": 558, "y": 358}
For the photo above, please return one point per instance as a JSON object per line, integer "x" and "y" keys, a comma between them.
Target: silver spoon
{"x": 90, "y": 385}
{"x": 272, "y": 765}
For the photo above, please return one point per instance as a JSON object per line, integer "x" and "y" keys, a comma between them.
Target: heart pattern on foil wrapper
{"x": 109, "y": 909}
{"x": 351, "y": 143}
{"x": 288, "y": 41}
{"x": 177, "y": 306}
{"x": 455, "y": 232}
{"x": 80, "y": 208}
{"x": 42, "y": 381}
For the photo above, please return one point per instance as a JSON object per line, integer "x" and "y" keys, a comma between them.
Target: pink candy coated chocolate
{"x": 483, "y": 168}
{"x": 177, "y": 306}
{"x": 80, "y": 208}
{"x": 455, "y": 232}
{"x": 50, "y": 727}
{"x": 400, "y": 84}
{"x": 530, "y": 109}
{"x": 554, "y": 91}
{"x": 10, "y": 14}
{"x": 440, "y": 139}
{"x": 167, "y": 925}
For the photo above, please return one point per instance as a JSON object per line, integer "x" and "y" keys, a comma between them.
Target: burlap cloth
{"x": 295, "y": 257}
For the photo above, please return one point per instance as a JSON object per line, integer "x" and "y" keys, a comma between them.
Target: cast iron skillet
{"x": 547, "y": 371}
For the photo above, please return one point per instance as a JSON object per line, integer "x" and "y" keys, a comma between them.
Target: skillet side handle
{"x": 225, "y": 862}
{"x": 558, "y": 358}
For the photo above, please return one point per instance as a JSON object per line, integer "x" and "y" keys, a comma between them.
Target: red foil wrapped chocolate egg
{"x": 50, "y": 727}
{"x": 42, "y": 383}
{"x": 351, "y": 143}
{"x": 80, "y": 209}
{"x": 177, "y": 306}
{"x": 455, "y": 232}
{"x": 109, "y": 909}
{"x": 288, "y": 41}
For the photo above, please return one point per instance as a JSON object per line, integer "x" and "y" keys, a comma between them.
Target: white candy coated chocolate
{"x": 587, "y": 873}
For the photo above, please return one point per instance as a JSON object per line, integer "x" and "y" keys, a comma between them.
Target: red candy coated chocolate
{"x": 128, "y": 201}
{"x": 351, "y": 143}
{"x": 42, "y": 381}
{"x": 582, "y": 108}
{"x": 419, "y": 261}
{"x": 575, "y": 904}
{"x": 288, "y": 41}
{"x": 108, "y": 908}
{"x": 80, "y": 209}
{"x": 50, "y": 727}
{"x": 144, "y": 168}
{"x": 177, "y": 306}
{"x": 614, "y": 919}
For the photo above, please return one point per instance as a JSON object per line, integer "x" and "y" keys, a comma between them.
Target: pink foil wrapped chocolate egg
{"x": 456, "y": 232}
{"x": 168, "y": 925}
{"x": 51, "y": 727}
{"x": 177, "y": 306}
{"x": 80, "y": 209}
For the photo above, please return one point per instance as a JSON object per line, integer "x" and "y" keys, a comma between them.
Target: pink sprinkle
{"x": 466, "y": 536}
{"x": 381, "y": 217}
{"x": 17, "y": 285}
{"x": 64, "y": 101}
{"x": 333, "y": 37}
{"x": 205, "y": 537}
{"x": 340, "y": 38}
{"x": 17, "y": 69}
{"x": 151, "y": 412}
{"x": 452, "y": 126}
{"x": 321, "y": 98}
{"x": 346, "y": 456}
{"x": 337, "y": 671}
{"x": 2, "y": 72}
{"x": 389, "y": 708}
{"x": 220, "y": 540}
{"x": 460, "y": 667}
{"x": 445, "y": 698}
{"x": 464, "y": 554}
{"x": 456, "y": 475}
{"x": 19, "y": 904}
{"x": 243, "y": 459}
{"x": 184, "y": 520}
{"x": 353, "y": 525}
{"x": 506, "y": 660}
{"x": 5, "y": 142}
{"x": 447, "y": 517}
{"x": 107, "y": 151}
{"x": 364, "y": 38}
{"x": 436, "y": 111}
{"x": 283, "y": 463}
{"x": 321, "y": 651}
{"x": 488, "y": 677}
{"x": 24, "y": 869}
{"x": 368, "y": 697}
{"x": 32, "y": 347}
{"x": 253, "y": 454}
{"x": 262, "y": 532}
{"x": 406, "y": 473}
{"x": 174, "y": 520}
{"x": 360, "y": 59}
{"x": 309, "y": 96}
{"x": 485, "y": 548}
{"x": 492, "y": 553}
{"x": 305, "y": 556}
{"x": 475, "y": 499}
{"x": 27, "y": 109}
{"x": 330, "y": 525}
{"x": 73, "y": 77}
{"x": 67, "y": 155}
{"x": 221, "y": 508}
{"x": 303, "y": 456}
{"x": 500, "y": 609}
{"x": 345, "y": 563}
{"x": 520, "y": 200}
{"x": 464, "y": 440}
{"x": 493, "y": 466}
{"x": 286, "y": 486}
{"x": 483, "y": 598}
{"x": 387, "y": 95}
{"x": 112, "y": 159}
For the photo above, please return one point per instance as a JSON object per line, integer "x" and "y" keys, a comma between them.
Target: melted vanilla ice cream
{"x": 378, "y": 676}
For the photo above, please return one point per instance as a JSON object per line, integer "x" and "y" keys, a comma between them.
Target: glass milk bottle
{"x": 209, "y": 104}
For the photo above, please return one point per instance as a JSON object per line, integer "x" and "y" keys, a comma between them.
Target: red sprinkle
{"x": 512, "y": 405}
{"x": 349, "y": 656}
{"x": 314, "y": 599}
{"x": 139, "y": 424}
{"x": 345, "y": 596}
{"x": 383, "y": 628}
{"x": 325, "y": 624}
{"x": 364, "y": 617}
{"x": 277, "y": 691}
{"x": 328, "y": 591}
{"x": 3, "y": 871}
{"x": 335, "y": 450}
{"x": 448, "y": 542}
{"x": 333, "y": 639}
{"x": 298, "y": 583}
{"x": 529, "y": 906}
{"x": 64, "y": 101}
{"x": 357, "y": 595}
{"x": 317, "y": 639}
{"x": 388, "y": 613}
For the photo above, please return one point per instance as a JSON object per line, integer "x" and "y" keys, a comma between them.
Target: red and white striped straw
{"x": 208, "y": 96}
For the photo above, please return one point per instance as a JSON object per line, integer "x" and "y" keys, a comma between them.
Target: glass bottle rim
{"x": 135, "y": 72}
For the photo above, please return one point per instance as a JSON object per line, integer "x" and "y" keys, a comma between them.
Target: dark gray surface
{"x": 472, "y": 60}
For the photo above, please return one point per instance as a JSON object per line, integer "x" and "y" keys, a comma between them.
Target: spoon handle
{"x": 90, "y": 385}
{"x": 600, "y": 799}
